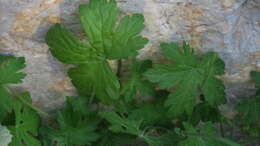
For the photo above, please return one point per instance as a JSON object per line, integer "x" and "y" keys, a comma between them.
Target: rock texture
{"x": 230, "y": 27}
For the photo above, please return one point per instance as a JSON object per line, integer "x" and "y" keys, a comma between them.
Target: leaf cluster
{"x": 21, "y": 120}
{"x": 173, "y": 104}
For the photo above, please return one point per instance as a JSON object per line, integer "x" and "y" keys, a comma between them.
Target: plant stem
{"x": 119, "y": 68}
{"x": 28, "y": 104}
{"x": 92, "y": 97}
{"x": 33, "y": 107}
{"x": 221, "y": 129}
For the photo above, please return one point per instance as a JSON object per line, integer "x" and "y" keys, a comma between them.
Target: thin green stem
{"x": 153, "y": 127}
{"x": 45, "y": 114}
{"x": 92, "y": 96}
{"x": 39, "y": 111}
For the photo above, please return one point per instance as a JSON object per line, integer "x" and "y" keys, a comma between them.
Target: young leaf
{"x": 26, "y": 124}
{"x": 76, "y": 125}
{"x": 5, "y": 136}
{"x": 136, "y": 84}
{"x": 205, "y": 136}
{"x": 188, "y": 75}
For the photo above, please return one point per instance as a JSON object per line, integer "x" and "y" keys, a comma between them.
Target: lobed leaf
{"x": 249, "y": 110}
{"x": 122, "y": 125}
{"x": 116, "y": 41}
{"x": 107, "y": 39}
{"x": 76, "y": 125}
{"x": 10, "y": 68}
{"x": 26, "y": 125}
{"x": 206, "y": 135}
{"x": 98, "y": 78}
{"x": 188, "y": 76}
{"x": 136, "y": 85}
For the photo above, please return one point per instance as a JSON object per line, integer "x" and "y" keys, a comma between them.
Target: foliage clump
{"x": 158, "y": 104}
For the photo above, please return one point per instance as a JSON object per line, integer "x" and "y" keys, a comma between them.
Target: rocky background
{"x": 230, "y": 27}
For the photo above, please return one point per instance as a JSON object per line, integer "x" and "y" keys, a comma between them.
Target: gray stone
{"x": 230, "y": 27}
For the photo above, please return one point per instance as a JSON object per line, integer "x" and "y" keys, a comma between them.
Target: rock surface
{"x": 230, "y": 27}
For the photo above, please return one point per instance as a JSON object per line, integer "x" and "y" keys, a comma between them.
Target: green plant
{"x": 249, "y": 110}
{"x": 107, "y": 39}
{"x": 158, "y": 105}
{"x": 16, "y": 111}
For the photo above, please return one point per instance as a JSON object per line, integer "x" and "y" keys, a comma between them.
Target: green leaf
{"x": 67, "y": 49}
{"x": 153, "y": 141}
{"x": 26, "y": 124}
{"x": 180, "y": 54}
{"x": 213, "y": 89}
{"x": 167, "y": 139}
{"x": 116, "y": 41}
{"x": 107, "y": 40}
{"x": 77, "y": 125}
{"x": 122, "y": 125}
{"x": 150, "y": 114}
{"x": 205, "y": 113}
{"x": 92, "y": 73}
{"x": 6, "y": 103}
{"x": 10, "y": 68}
{"x": 97, "y": 78}
{"x": 188, "y": 76}
{"x": 256, "y": 77}
{"x": 184, "y": 98}
{"x": 136, "y": 85}
{"x": 5, "y": 136}
{"x": 134, "y": 124}
{"x": 249, "y": 111}
{"x": 206, "y": 135}
{"x": 115, "y": 139}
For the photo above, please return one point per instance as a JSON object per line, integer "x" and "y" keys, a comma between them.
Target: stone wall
{"x": 230, "y": 27}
